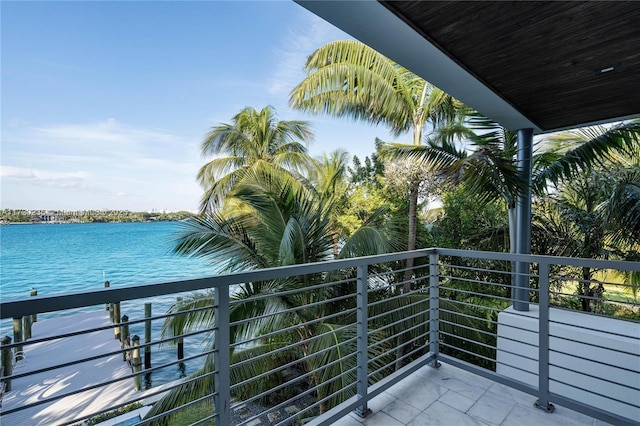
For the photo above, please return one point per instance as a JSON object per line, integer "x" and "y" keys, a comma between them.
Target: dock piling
{"x": 26, "y": 326}
{"x": 137, "y": 380}
{"x": 34, "y": 317}
{"x": 17, "y": 333}
{"x": 7, "y": 361}
{"x": 124, "y": 335}
{"x": 116, "y": 317}
{"x": 109, "y": 306}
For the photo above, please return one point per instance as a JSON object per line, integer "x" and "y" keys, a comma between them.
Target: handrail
{"x": 19, "y": 307}
{"x": 454, "y": 315}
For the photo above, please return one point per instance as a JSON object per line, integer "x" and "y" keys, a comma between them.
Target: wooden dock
{"x": 31, "y": 389}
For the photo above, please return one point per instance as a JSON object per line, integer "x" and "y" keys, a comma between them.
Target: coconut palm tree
{"x": 487, "y": 165}
{"x": 582, "y": 206}
{"x": 347, "y": 78}
{"x": 328, "y": 177}
{"x": 598, "y": 203}
{"x": 276, "y": 220}
{"x": 253, "y": 137}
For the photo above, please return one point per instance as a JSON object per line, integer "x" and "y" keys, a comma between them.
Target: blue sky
{"x": 104, "y": 104}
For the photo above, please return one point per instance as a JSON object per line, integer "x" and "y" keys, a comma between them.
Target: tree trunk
{"x": 411, "y": 241}
{"x": 408, "y": 273}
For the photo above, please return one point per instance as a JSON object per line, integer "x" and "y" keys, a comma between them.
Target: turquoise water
{"x": 63, "y": 258}
{"x": 71, "y": 257}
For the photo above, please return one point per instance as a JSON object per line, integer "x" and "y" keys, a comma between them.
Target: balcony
{"x": 316, "y": 343}
{"x": 452, "y": 396}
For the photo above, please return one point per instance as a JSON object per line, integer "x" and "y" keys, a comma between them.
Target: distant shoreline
{"x": 27, "y": 217}
{"x": 70, "y": 222}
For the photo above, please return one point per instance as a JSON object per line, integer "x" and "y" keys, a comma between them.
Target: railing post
{"x": 147, "y": 336}
{"x": 362, "y": 324}
{"x": 222, "y": 361}
{"x": 180, "y": 344}
{"x": 543, "y": 340}
{"x": 434, "y": 309}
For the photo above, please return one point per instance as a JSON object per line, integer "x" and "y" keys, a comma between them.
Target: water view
{"x": 65, "y": 258}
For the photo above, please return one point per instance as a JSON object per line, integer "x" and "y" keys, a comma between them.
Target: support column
{"x": 523, "y": 220}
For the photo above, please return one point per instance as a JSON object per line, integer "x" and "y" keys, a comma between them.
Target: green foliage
{"x": 193, "y": 414}
{"x": 369, "y": 173}
{"x": 272, "y": 219}
{"x": 112, "y": 414}
{"x": 468, "y": 223}
{"x": 570, "y": 153}
{"x": 592, "y": 215}
{"x": 253, "y": 139}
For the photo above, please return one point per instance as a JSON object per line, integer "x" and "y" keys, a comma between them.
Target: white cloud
{"x": 43, "y": 177}
{"x": 97, "y": 165}
{"x": 109, "y": 131}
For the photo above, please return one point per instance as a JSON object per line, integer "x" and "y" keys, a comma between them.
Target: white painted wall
{"x": 593, "y": 347}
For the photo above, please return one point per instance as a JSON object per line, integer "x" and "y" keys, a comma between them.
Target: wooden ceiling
{"x": 560, "y": 63}
{"x": 557, "y": 64}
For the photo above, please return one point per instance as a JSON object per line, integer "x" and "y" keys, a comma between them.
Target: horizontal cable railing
{"x": 312, "y": 342}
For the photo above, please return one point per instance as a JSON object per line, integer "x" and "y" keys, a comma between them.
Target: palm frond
{"x": 250, "y": 377}
{"x": 623, "y": 207}
{"x": 346, "y": 78}
{"x": 589, "y": 147}
{"x": 197, "y": 385}
{"x": 197, "y": 311}
{"x": 224, "y": 243}
{"x": 437, "y": 157}
{"x": 333, "y": 358}
{"x": 252, "y": 137}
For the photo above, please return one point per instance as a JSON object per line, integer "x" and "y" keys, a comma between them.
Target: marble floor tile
{"x": 401, "y": 411}
{"x": 457, "y": 400}
{"x": 491, "y": 408}
{"x": 381, "y": 419}
{"x": 449, "y": 396}
{"x": 439, "y": 414}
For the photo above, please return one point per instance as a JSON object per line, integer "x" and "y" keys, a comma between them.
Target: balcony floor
{"x": 451, "y": 396}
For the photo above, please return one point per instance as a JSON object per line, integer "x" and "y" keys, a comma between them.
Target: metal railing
{"x": 314, "y": 342}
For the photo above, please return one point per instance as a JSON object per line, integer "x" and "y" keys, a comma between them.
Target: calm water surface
{"x": 63, "y": 258}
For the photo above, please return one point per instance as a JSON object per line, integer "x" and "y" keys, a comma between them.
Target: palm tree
{"x": 276, "y": 220}
{"x": 252, "y": 138}
{"x": 569, "y": 153}
{"x": 328, "y": 177}
{"x": 598, "y": 202}
{"x": 346, "y": 78}
{"x": 487, "y": 165}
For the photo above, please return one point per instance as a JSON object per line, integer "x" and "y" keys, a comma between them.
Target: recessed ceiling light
{"x": 608, "y": 69}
